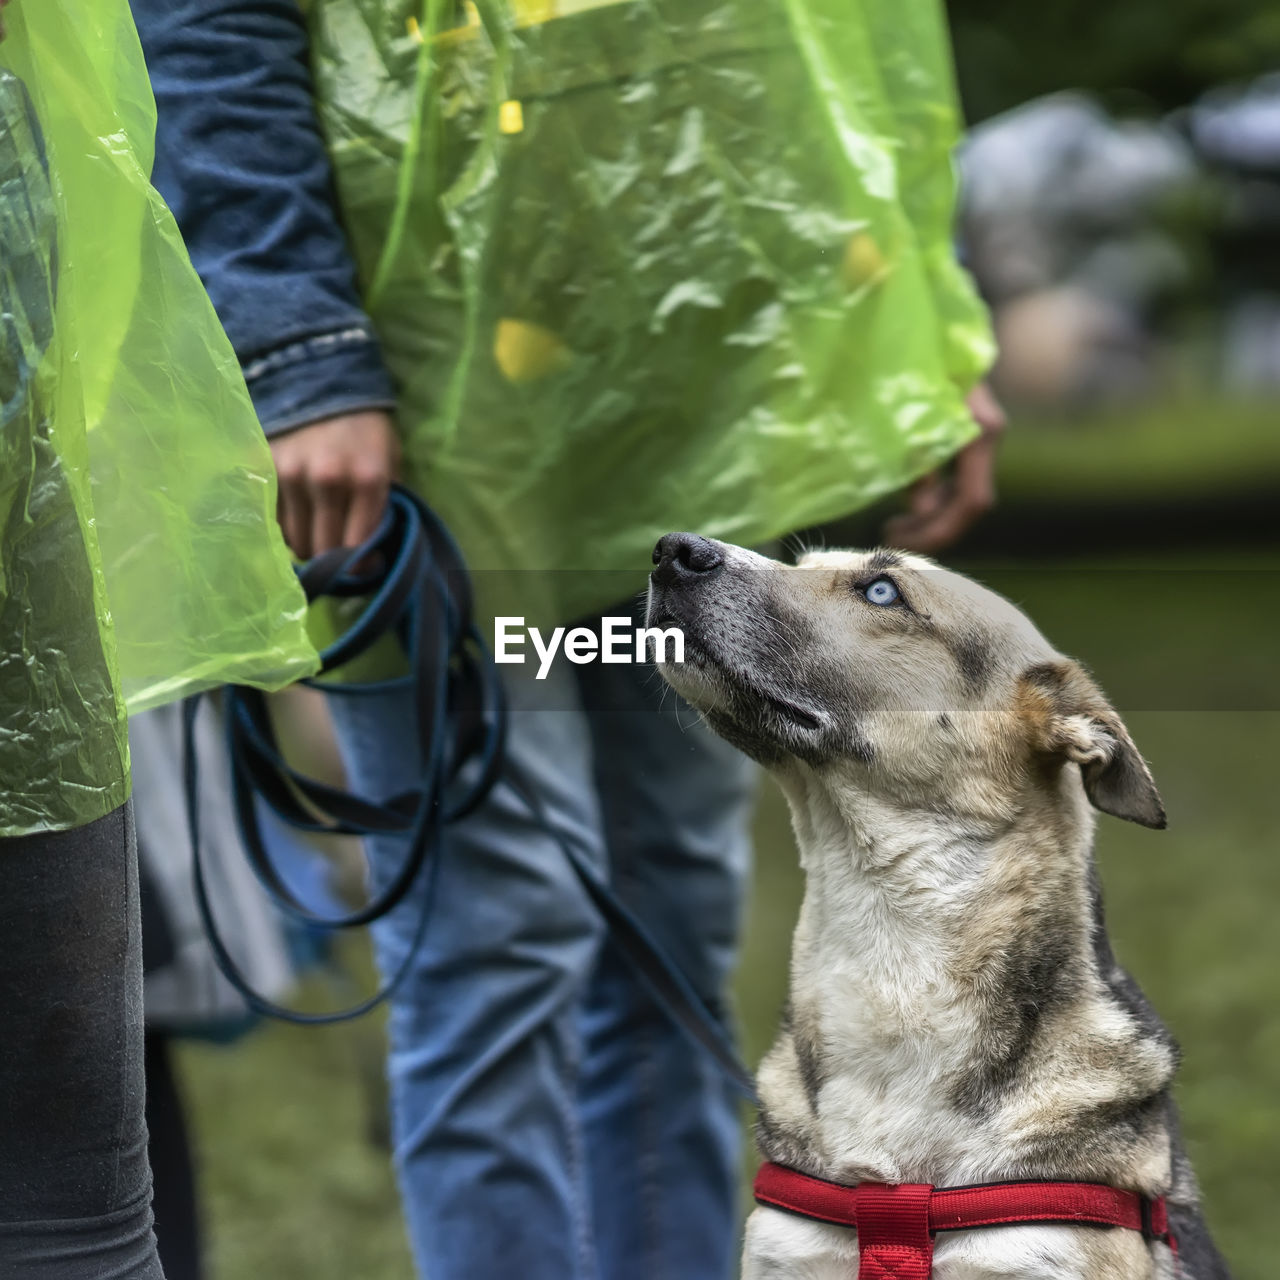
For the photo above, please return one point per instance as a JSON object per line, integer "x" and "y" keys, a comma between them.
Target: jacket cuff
{"x": 323, "y": 376}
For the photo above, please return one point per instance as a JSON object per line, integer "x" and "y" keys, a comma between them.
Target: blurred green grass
{"x": 1184, "y": 445}
{"x": 295, "y": 1189}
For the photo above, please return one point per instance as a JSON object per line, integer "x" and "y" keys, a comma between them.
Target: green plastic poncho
{"x": 139, "y": 554}
{"x": 641, "y": 265}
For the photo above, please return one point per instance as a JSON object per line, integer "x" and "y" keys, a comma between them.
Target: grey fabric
{"x": 75, "y": 1186}
{"x": 190, "y": 990}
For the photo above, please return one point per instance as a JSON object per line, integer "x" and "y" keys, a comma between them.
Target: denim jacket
{"x": 242, "y": 164}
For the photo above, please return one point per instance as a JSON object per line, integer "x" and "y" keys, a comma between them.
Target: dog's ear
{"x": 1071, "y": 719}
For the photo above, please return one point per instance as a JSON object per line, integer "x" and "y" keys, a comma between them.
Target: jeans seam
{"x": 650, "y": 1159}
{"x": 569, "y": 1077}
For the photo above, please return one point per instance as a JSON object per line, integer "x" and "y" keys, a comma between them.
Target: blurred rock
{"x": 1045, "y": 185}
{"x": 1240, "y": 126}
{"x": 1251, "y": 347}
{"x": 1061, "y": 226}
{"x": 1067, "y": 346}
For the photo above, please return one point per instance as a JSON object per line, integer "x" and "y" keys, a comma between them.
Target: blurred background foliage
{"x": 1140, "y": 55}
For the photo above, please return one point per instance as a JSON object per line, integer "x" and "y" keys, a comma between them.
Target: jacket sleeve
{"x": 242, "y": 164}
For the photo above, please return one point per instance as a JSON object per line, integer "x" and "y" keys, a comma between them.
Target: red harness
{"x": 895, "y": 1224}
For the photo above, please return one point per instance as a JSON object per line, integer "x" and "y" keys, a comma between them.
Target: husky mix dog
{"x": 956, "y": 1014}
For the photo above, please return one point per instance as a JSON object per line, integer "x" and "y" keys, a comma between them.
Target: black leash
{"x": 417, "y": 588}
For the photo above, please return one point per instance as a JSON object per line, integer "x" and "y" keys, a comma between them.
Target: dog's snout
{"x": 684, "y": 556}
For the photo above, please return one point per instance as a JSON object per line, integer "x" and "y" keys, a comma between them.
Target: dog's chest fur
{"x": 953, "y": 1020}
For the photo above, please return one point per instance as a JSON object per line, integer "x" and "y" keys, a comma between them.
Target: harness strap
{"x": 895, "y": 1224}
{"x": 894, "y": 1241}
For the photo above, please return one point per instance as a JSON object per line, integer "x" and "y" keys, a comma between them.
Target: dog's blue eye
{"x": 881, "y": 591}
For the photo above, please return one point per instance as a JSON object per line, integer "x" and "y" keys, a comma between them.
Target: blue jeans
{"x": 549, "y": 1121}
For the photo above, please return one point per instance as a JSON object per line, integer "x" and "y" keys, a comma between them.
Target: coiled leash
{"x": 417, "y": 588}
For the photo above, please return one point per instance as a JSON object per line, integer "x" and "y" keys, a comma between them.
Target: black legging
{"x": 75, "y": 1187}
{"x": 176, "y": 1209}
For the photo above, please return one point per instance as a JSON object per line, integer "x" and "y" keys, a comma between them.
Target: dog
{"x": 956, "y": 1015}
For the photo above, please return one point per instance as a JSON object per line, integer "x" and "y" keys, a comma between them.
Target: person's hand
{"x": 334, "y": 479}
{"x": 941, "y": 507}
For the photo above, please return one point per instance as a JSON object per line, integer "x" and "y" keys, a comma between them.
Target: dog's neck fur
{"x": 956, "y": 1016}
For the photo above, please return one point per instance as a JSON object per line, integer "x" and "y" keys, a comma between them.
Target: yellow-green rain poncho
{"x": 642, "y": 265}
{"x": 139, "y": 555}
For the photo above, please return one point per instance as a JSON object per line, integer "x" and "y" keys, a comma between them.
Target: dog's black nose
{"x": 682, "y": 556}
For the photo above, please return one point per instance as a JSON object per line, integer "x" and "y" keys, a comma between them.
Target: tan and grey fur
{"x": 956, "y": 1014}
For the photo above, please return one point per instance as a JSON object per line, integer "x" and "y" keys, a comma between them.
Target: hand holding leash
{"x": 334, "y": 477}
{"x": 941, "y": 507}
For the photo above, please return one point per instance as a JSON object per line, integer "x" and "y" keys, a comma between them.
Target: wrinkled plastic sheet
{"x": 139, "y": 555}
{"x": 653, "y": 264}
